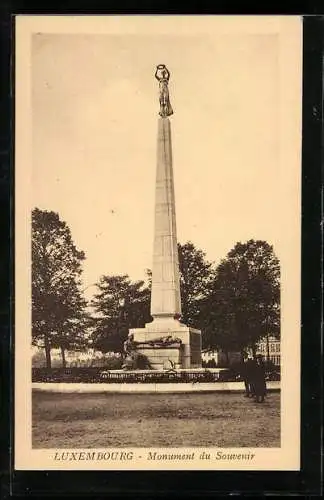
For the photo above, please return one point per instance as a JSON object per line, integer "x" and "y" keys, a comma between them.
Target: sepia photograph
{"x": 158, "y": 217}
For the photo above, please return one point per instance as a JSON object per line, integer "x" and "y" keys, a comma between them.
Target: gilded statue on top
{"x": 162, "y": 74}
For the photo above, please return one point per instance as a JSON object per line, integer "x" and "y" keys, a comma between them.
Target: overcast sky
{"x": 95, "y": 111}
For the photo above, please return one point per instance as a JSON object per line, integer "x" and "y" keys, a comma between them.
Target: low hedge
{"x": 101, "y": 375}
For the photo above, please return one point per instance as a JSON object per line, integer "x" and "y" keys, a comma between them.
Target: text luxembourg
{"x": 129, "y": 455}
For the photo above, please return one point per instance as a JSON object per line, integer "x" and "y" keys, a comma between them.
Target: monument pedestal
{"x": 167, "y": 343}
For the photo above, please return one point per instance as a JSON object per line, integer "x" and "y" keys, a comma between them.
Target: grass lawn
{"x": 147, "y": 420}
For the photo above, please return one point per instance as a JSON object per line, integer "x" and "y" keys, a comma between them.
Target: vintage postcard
{"x": 158, "y": 242}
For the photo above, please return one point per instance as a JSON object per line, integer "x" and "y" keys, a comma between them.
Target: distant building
{"x": 274, "y": 349}
{"x": 219, "y": 357}
{"x": 90, "y": 357}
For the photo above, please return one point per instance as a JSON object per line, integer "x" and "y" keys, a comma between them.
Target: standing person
{"x": 260, "y": 387}
{"x": 247, "y": 375}
{"x": 251, "y": 371}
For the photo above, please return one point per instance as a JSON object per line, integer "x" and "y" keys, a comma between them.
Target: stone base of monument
{"x": 167, "y": 343}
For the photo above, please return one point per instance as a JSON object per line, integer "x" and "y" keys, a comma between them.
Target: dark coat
{"x": 247, "y": 370}
{"x": 259, "y": 379}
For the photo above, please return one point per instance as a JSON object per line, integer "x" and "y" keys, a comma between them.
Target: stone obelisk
{"x": 165, "y": 297}
{"x": 166, "y": 342}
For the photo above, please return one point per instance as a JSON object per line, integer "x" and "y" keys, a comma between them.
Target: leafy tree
{"x": 217, "y": 321}
{"x": 148, "y": 274}
{"x": 120, "y": 304}
{"x": 244, "y": 304}
{"x": 58, "y": 306}
{"x": 196, "y": 278}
